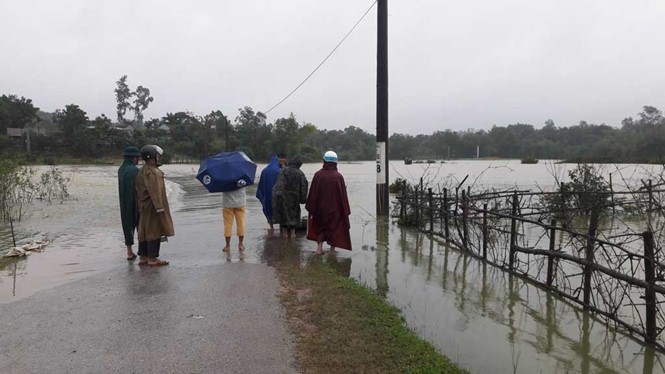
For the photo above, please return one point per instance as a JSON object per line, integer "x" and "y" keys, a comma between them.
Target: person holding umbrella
{"x": 229, "y": 173}
{"x": 233, "y": 206}
{"x": 129, "y": 211}
{"x": 156, "y": 223}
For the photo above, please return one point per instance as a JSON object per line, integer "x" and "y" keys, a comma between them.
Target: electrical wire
{"x": 324, "y": 60}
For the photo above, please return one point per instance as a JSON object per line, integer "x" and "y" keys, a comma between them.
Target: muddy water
{"x": 482, "y": 318}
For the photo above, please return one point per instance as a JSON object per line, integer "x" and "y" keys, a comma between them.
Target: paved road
{"x": 219, "y": 318}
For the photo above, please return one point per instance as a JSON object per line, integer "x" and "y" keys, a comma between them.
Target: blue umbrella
{"x": 226, "y": 171}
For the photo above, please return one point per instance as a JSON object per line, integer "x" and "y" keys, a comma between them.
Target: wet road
{"x": 223, "y": 317}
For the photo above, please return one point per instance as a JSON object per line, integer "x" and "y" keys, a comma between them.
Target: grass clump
{"x": 343, "y": 327}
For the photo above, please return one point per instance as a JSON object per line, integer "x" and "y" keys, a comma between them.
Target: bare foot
{"x": 332, "y": 249}
{"x": 241, "y": 248}
{"x": 226, "y": 249}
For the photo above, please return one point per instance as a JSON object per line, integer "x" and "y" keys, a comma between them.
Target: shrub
{"x": 585, "y": 190}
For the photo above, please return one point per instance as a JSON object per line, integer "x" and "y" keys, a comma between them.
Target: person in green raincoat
{"x": 129, "y": 211}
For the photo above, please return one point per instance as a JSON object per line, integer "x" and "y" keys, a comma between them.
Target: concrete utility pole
{"x": 382, "y": 201}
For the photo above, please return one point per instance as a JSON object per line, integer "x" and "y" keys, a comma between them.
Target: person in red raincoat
{"x": 328, "y": 207}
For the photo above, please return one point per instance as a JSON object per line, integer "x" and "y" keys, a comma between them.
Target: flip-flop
{"x": 160, "y": 263}
{"x": 131, "y": 258}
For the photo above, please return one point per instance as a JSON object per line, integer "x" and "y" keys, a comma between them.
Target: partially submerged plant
{"x": 586, "y": 189}
{"x": 18, "y": 188}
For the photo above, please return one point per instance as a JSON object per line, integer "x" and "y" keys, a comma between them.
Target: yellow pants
{"x": 239, "y": 214}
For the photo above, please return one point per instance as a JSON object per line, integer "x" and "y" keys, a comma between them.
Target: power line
{"x": 324, "y": 60}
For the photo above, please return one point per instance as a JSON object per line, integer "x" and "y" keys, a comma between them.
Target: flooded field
{"x": 482, "y": 318}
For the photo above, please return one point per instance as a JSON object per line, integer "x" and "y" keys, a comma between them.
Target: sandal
{"x": 131, "y": 258}
{"x": 159, "y": 263}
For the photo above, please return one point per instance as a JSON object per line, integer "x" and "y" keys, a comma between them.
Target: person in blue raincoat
{"x": 266, "y": 183}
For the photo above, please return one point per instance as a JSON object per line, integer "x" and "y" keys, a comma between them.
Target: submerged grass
{"x": 343, "y": 327}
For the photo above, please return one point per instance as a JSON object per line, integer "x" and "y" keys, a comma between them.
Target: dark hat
{"x": 131, "y": 152}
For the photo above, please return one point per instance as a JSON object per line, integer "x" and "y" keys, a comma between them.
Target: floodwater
{"x": 479, "y": 316}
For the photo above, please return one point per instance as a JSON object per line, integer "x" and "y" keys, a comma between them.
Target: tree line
{"x": 638, "y": 140}
{"x": 184, "y": 135}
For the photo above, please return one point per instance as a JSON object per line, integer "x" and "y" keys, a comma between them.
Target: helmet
{"x": 131, "y": 152}
{"x": 330, "y": 156}
{"x": 152, "y": 151}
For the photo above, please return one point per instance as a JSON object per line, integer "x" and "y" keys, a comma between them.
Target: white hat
{"x": 330, "y": 156}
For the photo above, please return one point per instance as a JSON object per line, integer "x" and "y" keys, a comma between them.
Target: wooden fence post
{"x": 402, "y": 205}
{"x": 485, "y": 231}
{"x": 590, "y": 246}
{"x": 513, "y": 233}
{"x": 431, "y": 210}
{"x": 564, "y": 220}
{"x": 417, "y": 206}
{"x": 465, "y": 214}
{"x": 550, "y": 259}
{"x": 445, "y": 212}
{"x": 612, "y": 195}
{"x": 650, "y": 293}
{"x": 650, "y": 187}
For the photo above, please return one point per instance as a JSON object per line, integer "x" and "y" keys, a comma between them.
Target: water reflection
{"x": 490, "y": 321}
{"x": 382, "y": 246}
{"x": 342, "y": 265}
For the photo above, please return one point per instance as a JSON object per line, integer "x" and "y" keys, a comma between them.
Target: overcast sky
{"x": 453, "y": 64}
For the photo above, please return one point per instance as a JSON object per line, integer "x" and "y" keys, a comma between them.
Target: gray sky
{"x": 453, "y": 65}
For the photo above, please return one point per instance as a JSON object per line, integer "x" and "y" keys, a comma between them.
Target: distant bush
{"x": 399, "y": 185}
{"x": 53, "y": 185}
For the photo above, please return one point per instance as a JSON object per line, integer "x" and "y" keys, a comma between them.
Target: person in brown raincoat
{"x": 155, "y": 222}
{"x": 328, "y": 207}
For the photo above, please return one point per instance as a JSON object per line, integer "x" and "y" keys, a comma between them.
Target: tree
{"x": 16, "y": 112}
{"x": 220, "y": 125}
{"x": 201, "y": 132}
{"x": 286, "y": 136}
{"x": 651, "y": 116}
{"x": 123, "y": 97}
{"x": 73, "y": 122}
{"x": 141, "y": 102}
{"x": 177, "y": 124}
{"x": 253, "y": 133}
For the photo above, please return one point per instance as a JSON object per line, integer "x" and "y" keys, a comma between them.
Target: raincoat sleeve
{"x": 303, "y": 188}
{"x": 310, "y": 205}
{"x": 345, "y": 200}
{"x": 155, "y": 185}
